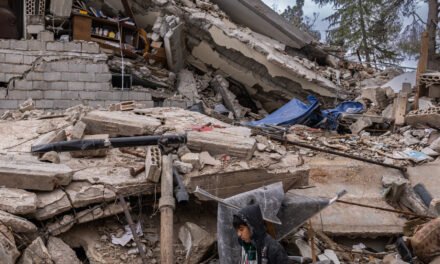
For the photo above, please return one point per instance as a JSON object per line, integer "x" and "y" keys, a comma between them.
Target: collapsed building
{"x": 188, "y": 77}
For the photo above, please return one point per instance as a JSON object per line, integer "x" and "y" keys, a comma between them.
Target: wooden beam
{"x": 166, "y": 206}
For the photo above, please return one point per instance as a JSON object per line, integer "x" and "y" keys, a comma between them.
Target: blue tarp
{"x": 294, "y": 112}
{"x": 297, "y": 112}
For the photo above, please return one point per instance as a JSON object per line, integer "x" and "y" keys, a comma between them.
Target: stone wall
{"x": 58, "y": 75}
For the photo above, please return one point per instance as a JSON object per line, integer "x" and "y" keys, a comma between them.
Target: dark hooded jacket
{"x": 264, "y": 243}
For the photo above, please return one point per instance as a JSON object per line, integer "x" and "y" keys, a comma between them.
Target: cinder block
{"x": 3, "y": 93}
{"x": 87, "y": 95}
{"x": 4, "y": 44}
{"x": 86, "y": 77}
{"x": 52, "y": 76}
{"x": 90, "y": 47}
{"x": 72, "y": 46}
{"x": 75, "y": 86}
{"x": 18, "y": 44}
{"x": 70, "y": 95}
{"x": 106, "y": 96}
{"x": 58, "y": 86}
{"x": 2, "y": 77}
{"x": 63, "y": 104}
{"x": 109, "y": 103}
{"x": 95, "y": 103}
{"x": 44, "y": 104}
{"x": 22, "y": 85}
{"x": 45, "y": 36}
{"x": 40, "y": 85}
{"x": 69, "y": 76}
{"x": 146, "y": 104}
{"x": 14, "y": 58}
{"x": 42, "y": 67}
{"x": 55, "y": 46}
{"x": 35, "y": 76}
{"x": 19, "y": 68}
{"x": 103, "y": 77}
{"x": 17, "y": 95}
{"x": 140, "y": 96}
{"x": 9, "y": 76}
{"x": 35, "y": 94}
{"x": 52, "y": 94}
{"x": 9, "y": 104}
{"x": 59, "y": 66}
{"x": 77, "y": 66}
{"x": 98, "y": 86}
{"x": 93, "y": 68}
{"x": 34, "y": 44}
{"x": 2, "y": 58}
{"x": 29, "y": 59}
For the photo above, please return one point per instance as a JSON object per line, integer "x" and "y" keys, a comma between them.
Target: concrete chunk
{"x": 50, "y": 137}
{"x": 16, "y": 223}
{"x": 119, "y": 124}
{"x": 33, "y": 176}
{"x": 77, "y": 131}
{"x": 187, "y": 86}
{"x": 84, "y": 193}
{"x": 222, "y": 142}
{"x": 16, "y": 201}
{"x": 36, "y": 252}
{"x": 50, "y": 204}
{"x": 61, "y": 253}
{"x": 8, "y": 249}
{"x": 153, "y": 163}
{"x": 196, "y": 241}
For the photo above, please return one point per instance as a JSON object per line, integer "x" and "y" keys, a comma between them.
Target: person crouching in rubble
{"x": 257, "y": 247}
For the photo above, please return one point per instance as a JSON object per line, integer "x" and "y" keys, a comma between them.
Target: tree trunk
{"x": 364, "y": 32}
{"x": 432, "y": 31}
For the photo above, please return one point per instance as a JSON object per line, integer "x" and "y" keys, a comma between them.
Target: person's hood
{"x": 254, "y": 219}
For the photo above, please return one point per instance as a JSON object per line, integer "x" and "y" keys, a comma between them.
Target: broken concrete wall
{"x": 58, "y": 75}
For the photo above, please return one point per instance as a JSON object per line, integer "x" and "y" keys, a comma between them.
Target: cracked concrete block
{"x": 72, "y": 46}
{"x": 90, "y": 47}
{"x": 19, "y": 44}
{"x": 197, "y": 242}
{"x": 153, "y": 163}
{"x": 187, "y": 86}
{"x": 55, "y": 46}
{"x": 19, "y": 68}
{"x": 77, "y": 66}
{"x": 87, "y": 215}
{"x": 37, "y": 45}
{"x": 83, "y": 193}
{"x": 119, "y": 124}
{"x": 45, "y": 36}
{"x": 60, "y": 252}
{"x": 33, "y": 176}
{"x": 17, "y": 201}
{"x": 8, "y": 250}
{"x": 29, "y": 60}
{"x": 16, "y": 223}
{"x": 50, "y": 204}
{"x": 14, "y": 58}
{"x": 36, "y": 252}
{"x": 222, "y": 141}
{"x": 60, "y": 66}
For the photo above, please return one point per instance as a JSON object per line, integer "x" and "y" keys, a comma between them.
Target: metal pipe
{"x": 166, "y": 206}
{"x": 88, "y": 144}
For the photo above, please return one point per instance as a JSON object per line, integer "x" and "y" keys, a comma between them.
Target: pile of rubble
{"x": 86, "y": 167}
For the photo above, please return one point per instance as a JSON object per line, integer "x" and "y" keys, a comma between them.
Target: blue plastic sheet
{"x": 294, "y": 112}
{"x": 309, "y": 114}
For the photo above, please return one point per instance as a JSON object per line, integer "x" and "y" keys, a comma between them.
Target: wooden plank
{"x": 82, "y": 26}
{"x": 422, "y": 66}
{"x": 401, "y": 107}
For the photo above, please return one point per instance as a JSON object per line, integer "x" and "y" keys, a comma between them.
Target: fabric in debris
{"x": 297, "y": 112}
{"x": 294, "y": 112}
{"x": 127, "y": 236}
{"x": 332, "y": 115}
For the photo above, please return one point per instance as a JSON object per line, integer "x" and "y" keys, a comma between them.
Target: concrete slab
{"x": 17, "y": 201}
{"x": 83, "y": 193}
{"x": 429, "y": 175}
{"x": 119, "y": 124}
{"x": 174, "y": 42}
{"x": 222, "y": 141}
{"x": 363, "y": 183}
{"x": 16, "y": 223}
{"x": 22, "y": 174}
{"x": 50, "y": 204}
